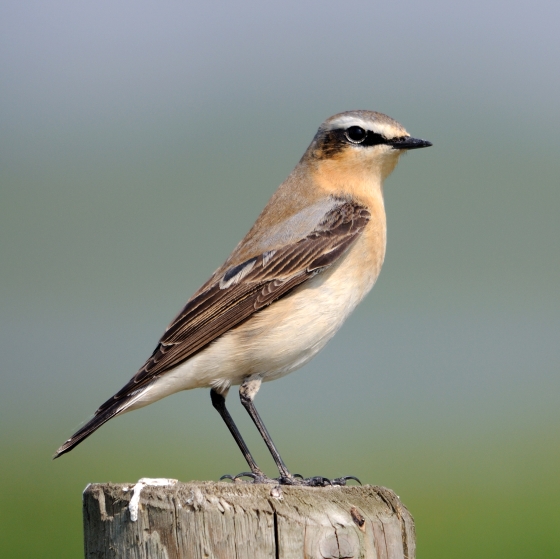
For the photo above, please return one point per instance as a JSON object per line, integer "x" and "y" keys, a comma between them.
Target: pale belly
{"x": 276, "y": 340}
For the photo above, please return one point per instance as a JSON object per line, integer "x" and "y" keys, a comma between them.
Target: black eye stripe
{"x": 371, "y": 139}
{"x": 333, "y": 141}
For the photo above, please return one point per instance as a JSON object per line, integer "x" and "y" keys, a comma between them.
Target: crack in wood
{"x": 222, "y": 521}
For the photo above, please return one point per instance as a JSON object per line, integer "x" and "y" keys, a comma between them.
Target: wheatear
{"x": 312, "y": 255}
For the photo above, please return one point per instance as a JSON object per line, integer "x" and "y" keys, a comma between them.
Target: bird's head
{"x": 361, "y": 141}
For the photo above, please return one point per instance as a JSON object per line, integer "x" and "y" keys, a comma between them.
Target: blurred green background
{"x": 139, "y": 140}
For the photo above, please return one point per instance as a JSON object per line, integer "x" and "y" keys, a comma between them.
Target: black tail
{"x": 101, "y": 417}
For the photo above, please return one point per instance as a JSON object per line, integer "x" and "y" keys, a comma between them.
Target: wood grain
{"x": 202, "y": 520}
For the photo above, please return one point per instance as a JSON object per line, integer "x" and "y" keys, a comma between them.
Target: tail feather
{"x": 92, "y": 425}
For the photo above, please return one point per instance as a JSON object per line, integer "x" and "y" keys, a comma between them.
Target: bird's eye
{"x": 356, "y": 134}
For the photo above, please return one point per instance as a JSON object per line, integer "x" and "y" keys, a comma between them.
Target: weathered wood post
{"x": 244, "y": 521}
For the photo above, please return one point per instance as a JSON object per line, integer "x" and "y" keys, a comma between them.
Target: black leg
{"x": 219, "y": 402}
{"x": 247, "y": 392}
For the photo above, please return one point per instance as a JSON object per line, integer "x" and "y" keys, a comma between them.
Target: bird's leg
{"x": 219, "y": 402}
{"x": 247, "y": 392}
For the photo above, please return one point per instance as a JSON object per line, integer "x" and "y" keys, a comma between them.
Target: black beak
{"x": 409, "y": 143}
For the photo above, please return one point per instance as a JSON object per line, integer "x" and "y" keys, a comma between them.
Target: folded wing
{"x": 240, "y": 292}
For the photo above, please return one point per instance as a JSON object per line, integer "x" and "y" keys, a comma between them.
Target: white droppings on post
{"x": 135, "y": 500}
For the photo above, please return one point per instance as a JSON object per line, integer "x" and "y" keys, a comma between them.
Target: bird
{"x": 312, "y": 255}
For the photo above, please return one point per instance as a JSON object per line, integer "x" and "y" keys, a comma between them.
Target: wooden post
{"x": 244, "y": 521}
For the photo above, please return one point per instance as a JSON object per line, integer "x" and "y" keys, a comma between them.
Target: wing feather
{"x": 247, "y": 288}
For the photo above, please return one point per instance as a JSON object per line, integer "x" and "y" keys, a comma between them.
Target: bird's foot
{"x": 320, "y": 481}
{"x": 257, "y": 477}
{"x": 289, "y": 479}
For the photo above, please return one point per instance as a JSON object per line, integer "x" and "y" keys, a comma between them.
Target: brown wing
{"x": 247, "y": 288}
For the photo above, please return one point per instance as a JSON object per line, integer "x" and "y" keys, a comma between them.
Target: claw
{"x": 343, "y": 480}
{"x": 227, "y": 476}
{"x": 239, "y": 476}
{"x": 245, "y": 474}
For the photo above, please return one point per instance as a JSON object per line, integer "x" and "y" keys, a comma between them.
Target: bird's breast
{"x": 284, "y": 336}
{"x": 288, "y": 333}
